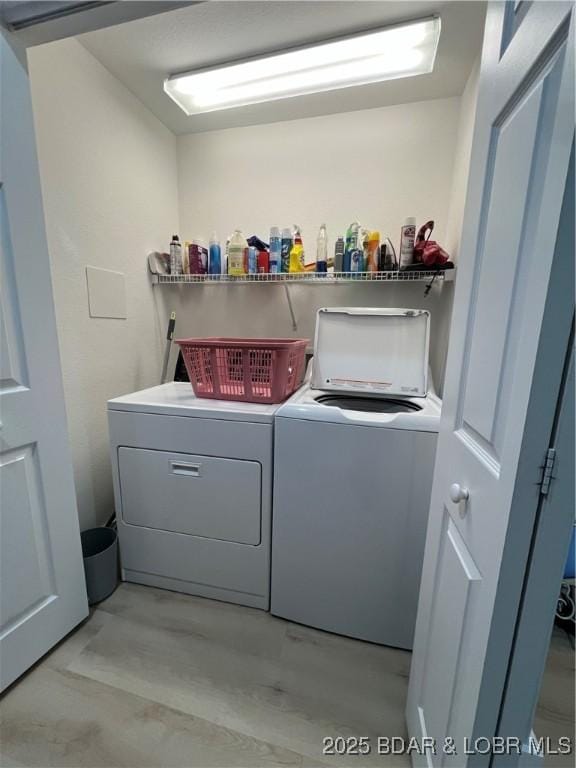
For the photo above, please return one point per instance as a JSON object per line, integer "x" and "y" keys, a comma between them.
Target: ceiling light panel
{"x": 387, "y": 54}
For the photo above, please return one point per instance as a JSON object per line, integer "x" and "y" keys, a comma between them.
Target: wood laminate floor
{"x": 158, "y": 679}
{"x": 555, "y": 711}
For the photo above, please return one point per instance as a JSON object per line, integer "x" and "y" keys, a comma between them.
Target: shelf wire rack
{"x": 329, "y": 278}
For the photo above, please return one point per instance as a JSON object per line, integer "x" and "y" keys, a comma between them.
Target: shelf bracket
{"x": 291, "y": 308}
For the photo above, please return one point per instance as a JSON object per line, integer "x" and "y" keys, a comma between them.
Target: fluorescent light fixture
{"x": 386, "y": 54}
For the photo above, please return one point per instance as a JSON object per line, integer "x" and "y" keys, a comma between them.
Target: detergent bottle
{"x": 236, "y": 253}
{"x": 372, "y": 244}
{"x": 297, "y": 252}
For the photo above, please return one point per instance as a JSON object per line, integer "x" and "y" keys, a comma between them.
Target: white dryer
{"x": 352, "y": 479}
{"x": 193, "y": 492}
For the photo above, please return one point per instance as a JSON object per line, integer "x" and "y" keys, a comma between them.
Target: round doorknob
{"x": 458, "y": 494}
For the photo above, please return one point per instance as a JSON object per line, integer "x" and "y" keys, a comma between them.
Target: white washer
{"x": 193, "y": 492}
{"x": 351, "y": 499}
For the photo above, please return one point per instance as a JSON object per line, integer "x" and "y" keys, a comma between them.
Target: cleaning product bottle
{"x": 236, "y": 253}
{"x": 297, "y": 253}
{"x": 285, "y": 248}
{"x": 372, "y": 244}
{"x": 225, "y": 257}
{"x": 263, "y": 259}
{"x": 350, "y": 245}
{"x": 322, "y": 251}
{"x": 339, "y": 255}
{"x": 387, "y": 256}
{"x": 215, "y": 260}
{"x": 407, "y": 236}
{"x": 186, "y": 258}
{"x": 357, "y": 254}
{"x": 175, "y": 256}
{"x": 357, "y": 261}
{"x": 275, "y": 251}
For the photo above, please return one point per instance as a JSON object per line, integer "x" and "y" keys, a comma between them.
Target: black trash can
{"x": 100, "y": 553}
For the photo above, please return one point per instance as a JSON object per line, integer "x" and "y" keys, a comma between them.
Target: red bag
{"x": 426, "y": 251}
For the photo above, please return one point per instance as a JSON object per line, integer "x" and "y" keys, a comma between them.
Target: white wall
{"x": 116, "y": 183}
{"x": 377, "y": 165}
{"x": 462, "y": 152}
{"x": 109, "y": 181}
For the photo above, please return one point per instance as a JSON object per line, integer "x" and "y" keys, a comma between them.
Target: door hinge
{"x": 547, "y": 469}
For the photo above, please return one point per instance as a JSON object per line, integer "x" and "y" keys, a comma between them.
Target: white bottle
{"x": 322, "y": 251}
{"x": 407, "y": 238}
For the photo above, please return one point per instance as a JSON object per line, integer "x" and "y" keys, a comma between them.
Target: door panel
{"x": 43, "y": 594}
{"x": 514, "y": 14}
{"x": 24, "y": 538}
{"x": 504, "y": 258}
{"x": 522, "y": 138}
{"x": 498, "y": 257}
{"x": 455, "y": 577}
{"x": 12, "y": 359}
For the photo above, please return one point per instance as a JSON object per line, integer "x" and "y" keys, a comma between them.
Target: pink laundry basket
{"x": 247, "y": 370}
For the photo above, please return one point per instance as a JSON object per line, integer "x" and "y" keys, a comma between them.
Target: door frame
{"x": 546, "y": 385}
{"x": 33, "y": 23}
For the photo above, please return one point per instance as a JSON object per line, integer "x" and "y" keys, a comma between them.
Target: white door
{"x": 42, "y": 589}
{"x": 520, "y": 157}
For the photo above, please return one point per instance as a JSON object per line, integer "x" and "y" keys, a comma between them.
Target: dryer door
{"x": 199, "y": 495}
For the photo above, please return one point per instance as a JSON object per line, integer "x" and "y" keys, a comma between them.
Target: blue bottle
{"x": 275, "y": 251}
{"x": 252, "y": 260}
{"x": 214, "y": 260}
{"x": 347, "y": 260}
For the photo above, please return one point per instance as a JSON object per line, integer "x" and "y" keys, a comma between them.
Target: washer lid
{"x": 364, "y": 349}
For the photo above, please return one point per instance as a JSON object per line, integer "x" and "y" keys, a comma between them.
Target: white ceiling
{"x": 142, "y": 53}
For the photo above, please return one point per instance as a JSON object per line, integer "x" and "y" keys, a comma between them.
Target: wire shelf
{"x": 329, "y": 278}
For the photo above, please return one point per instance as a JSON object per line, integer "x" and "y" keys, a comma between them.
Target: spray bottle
{"x": 296, "y": 263}
{"x": 351, "y": 245}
